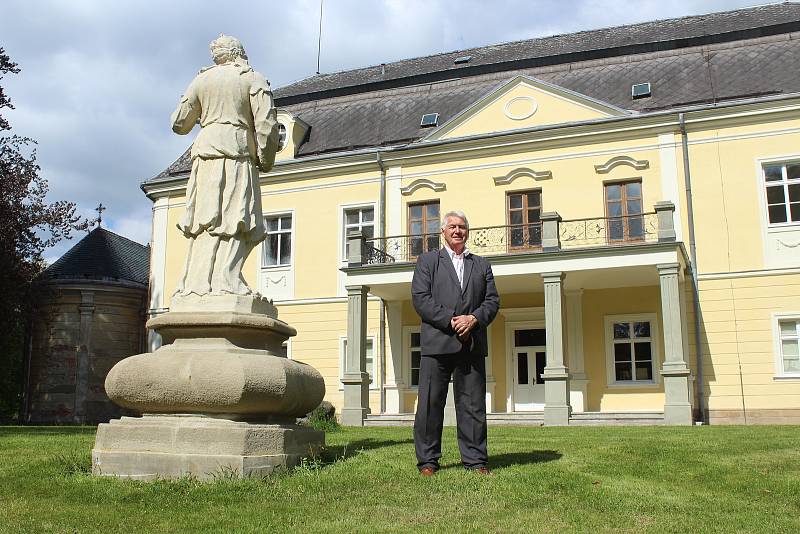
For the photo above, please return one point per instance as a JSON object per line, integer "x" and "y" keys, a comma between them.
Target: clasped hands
{"x": 463, "y": 325}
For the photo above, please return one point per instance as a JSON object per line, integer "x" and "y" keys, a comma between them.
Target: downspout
{"x": 687, "y": 176}
{"x": 382, "y": 305}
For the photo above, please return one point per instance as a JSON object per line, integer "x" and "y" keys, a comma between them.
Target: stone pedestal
{"x": 217, "y": 396}
{"x": 172, "y": 446}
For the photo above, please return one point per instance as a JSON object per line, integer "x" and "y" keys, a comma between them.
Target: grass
{"x": 581, "y": 479}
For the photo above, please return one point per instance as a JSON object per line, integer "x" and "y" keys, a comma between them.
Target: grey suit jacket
{"x": 437, "y": 297}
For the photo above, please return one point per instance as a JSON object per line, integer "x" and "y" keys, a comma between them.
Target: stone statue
{"x": 239, "y": 137}
{"x": 219, "y": 395}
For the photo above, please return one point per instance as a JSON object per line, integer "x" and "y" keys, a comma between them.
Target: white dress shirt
{"x": 458, "y": 263}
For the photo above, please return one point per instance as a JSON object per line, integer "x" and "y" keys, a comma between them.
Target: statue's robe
{"x": 239, "y": 136}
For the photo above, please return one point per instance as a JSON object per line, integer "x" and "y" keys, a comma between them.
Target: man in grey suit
{"x": 453, "y": 292}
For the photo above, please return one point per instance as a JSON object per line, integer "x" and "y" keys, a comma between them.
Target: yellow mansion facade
{"x": 638, "y": 199}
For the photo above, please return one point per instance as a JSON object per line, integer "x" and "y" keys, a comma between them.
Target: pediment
{"x": 523, "y": 102}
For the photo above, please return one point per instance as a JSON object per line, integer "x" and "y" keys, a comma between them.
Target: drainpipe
{"x": 687, "y": 176}
{"x": 382, "y": 305}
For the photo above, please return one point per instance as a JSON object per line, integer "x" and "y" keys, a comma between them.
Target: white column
{"x": 355, "y": 379}
{"x": 556, "y": 373}
{"x": 395, "y": 384}
{"x": 577, "y": 380}
{"x": 675, "y": 371}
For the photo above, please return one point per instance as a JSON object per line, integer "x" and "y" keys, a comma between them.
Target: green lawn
{"x": 589, "y": 479}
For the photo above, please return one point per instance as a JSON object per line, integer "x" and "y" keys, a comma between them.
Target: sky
{"x": 100, "y": 79}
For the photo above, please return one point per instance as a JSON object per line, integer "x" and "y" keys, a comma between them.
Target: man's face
{"x": 455, "y": 233}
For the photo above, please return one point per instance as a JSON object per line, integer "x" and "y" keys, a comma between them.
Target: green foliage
{"x": 30, "y": 225}
{"x": 321, "y": 418}
{"x": 573, "y": 479}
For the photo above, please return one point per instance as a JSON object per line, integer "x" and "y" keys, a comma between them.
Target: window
{"x": 624, "y": 211}
{"x": 423, "y": 227}
{"x": 632, "y": 345}
{"x": 524, "y": 210}
{"x": 782, "y": 183}
{"x": 788, "y": 350}
{"x": 281, "y": 136}
{"x": 278, "y": 245}
{"x": 416, "y": 356}
{"x": 361, "y": 219}
{"x": 370, "y": 360}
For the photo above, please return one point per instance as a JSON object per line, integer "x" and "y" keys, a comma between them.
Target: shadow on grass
{"x": 500, "y": 461}
{"x": 332, "y": 454}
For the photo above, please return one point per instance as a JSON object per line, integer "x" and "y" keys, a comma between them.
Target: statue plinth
{"x": 217, "y": 396}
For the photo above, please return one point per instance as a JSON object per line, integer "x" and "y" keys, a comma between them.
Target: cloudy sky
{"x": 99, "y": 79}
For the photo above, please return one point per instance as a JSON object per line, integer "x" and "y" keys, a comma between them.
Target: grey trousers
{"x": 469, "y": 387}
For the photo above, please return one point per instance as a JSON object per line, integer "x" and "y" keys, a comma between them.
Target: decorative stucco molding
{"x": 529, "y": 107}
{"x": 522, "y": 171}
{"x": 638, "y": 164}
{"x": 422, "y": 183}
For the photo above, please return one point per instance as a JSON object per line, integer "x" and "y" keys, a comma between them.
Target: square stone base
{"x": 174, "y": 446}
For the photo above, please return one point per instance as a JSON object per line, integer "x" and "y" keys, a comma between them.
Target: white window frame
{"x": 373, "y": 380}
{"x": 293, "y": 242}
{"x": 655, "y": 343}
{"x": 407, "y": 332}
{"x": 778, "y": 346}
{"x": 285, "y": 143}
{"x": 770, "y": 162}
{"x": 343, "y": 228}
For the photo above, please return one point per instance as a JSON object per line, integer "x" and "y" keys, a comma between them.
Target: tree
{"x": 28, "y": 226}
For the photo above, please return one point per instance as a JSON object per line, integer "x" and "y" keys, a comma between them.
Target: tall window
{"x": 524, "y": 210}
{"x": 416, "y": 356}
{"x": 360, "y": 219}
{"x": 624, "y": 211}
{"x": 370, "y": 360}
{"x": 423, "y": 227}
{"x": 782, "y": 182}
{"x": 789, "y": 351}
{"x": 631, "y": 346}
{"x": 278, "y": 245}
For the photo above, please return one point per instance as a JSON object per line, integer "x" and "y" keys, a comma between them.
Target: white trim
{"x": 748, "y": 274}
{"x": 422, "y": 183}
{"x": 407, "y": 331}
{"x": 655, "y": 339}
{"x": 273, "y": 274}
{"x": 266, "y": 193}
{"x": 158, "y": 253}
{"x": 768, "y": 231}
{"x": 350, "y": 206}
{"x": 519, "y": 172}
{"x": 534, "y": 106}
{"x": 670, "y": 188}
{"x": 535, "y": 321}
{"x": 780, "y": 373}
{"x": 374, "y": 383}
{"x": 616, "y": 161}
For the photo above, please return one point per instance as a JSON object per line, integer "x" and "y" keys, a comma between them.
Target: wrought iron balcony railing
{"x": 550, "y": 234}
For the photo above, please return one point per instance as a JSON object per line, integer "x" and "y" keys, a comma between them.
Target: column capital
{"x": 355, "y": 290}
{"x": 553, "y": 277}
{"x": 665, "y": 269}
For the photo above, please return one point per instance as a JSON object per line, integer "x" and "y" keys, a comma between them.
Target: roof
{"x": 690, "y": 60}
{"x": 103, "y": 255}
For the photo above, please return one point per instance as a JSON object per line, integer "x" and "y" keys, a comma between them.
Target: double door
{"x": 528, "y": 361}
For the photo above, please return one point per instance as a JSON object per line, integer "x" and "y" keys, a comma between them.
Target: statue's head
{"x": 226, "y": 48}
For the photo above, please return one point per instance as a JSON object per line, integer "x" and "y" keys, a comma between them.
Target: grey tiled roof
{"x": 103, "y": 255}
{"x": 690, "y": 60}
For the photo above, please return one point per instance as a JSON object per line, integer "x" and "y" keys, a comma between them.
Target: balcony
{"x": 549, "y": 234}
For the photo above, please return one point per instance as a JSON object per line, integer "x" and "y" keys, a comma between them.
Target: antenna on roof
{"x": 319, "y": 40}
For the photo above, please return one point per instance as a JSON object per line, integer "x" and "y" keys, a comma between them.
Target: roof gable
{"x": 523, "y": 102}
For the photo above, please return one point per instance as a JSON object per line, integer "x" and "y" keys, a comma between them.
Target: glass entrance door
{"x": 528, "y": 362}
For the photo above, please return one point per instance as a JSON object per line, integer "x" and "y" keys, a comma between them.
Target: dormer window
{"x": 281, "y": 136}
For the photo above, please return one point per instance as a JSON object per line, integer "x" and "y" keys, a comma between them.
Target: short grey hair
{"x": 455, "y": 213}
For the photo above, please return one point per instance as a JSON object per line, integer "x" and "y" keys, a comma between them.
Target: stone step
{"x": 536, "y": 418}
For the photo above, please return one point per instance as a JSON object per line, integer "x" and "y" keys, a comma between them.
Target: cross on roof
{"x": 100, "y": 209}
